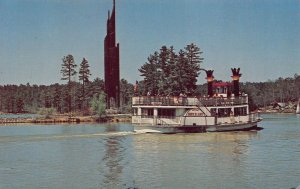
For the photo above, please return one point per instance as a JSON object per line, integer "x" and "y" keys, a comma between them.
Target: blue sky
{"x": 262, "y": 37}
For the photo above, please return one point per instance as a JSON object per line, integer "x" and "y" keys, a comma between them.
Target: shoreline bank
{"x": 66, "y": 119}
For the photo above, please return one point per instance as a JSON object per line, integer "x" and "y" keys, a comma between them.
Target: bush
{"x": 47, "y": 112}
{"x": 98, "y": 104}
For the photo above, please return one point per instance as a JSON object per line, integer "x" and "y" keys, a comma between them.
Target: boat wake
{"x": 144, "y": 131}
{"x": 32, "y": 138}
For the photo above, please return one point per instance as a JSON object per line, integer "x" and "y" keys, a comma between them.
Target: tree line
{"x": 31, "y": 98}
{"x": 165, "y": 73}
{"x": 262, "y": 94}
{"x": 77, "y": 97}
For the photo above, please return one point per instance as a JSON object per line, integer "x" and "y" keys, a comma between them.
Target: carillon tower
{"x": 112, "y": 62}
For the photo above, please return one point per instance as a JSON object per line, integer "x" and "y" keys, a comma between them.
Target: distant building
{"x": 111, "y": 63}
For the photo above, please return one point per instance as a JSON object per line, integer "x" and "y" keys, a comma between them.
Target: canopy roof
{"x": 222, "y": 84}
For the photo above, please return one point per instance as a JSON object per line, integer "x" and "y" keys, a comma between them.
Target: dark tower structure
{"x": 236, "y": 81}
{"x": 210, "y": 80}
{"x": 111, "y": 63}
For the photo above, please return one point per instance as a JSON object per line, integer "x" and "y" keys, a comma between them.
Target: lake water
{"x": 96, "y": 156}
{"x": 20, "y": 115}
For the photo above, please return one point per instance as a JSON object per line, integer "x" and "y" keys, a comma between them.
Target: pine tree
{"x": 193, "y": 66}
{"x": 67, "y": 71}
{"x": 152, "y": 74}
{"x": 163, "y": 65}
{"x": 171, "y": 81}
{"x": 84, "y": 74}
{"x": 181, "y": 76}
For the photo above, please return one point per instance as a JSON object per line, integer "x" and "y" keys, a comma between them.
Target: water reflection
{"x": 231, "y": 142}
{"x": 230, "y": 151}
{"x": 115, "y": 161}
{"x": 112, "y": 160}
{"x": 211, "y": 155}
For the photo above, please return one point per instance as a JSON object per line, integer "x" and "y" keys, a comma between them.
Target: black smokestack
{"x": 210, "y": 79}
{"x": 235, "y": 79}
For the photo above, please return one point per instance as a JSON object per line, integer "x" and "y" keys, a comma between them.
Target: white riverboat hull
{"x": 232, "y": 127}
{"x": 198, "y": 128}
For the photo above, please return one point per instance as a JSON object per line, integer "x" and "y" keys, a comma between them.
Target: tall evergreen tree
{"x": 193, "y": 55}
{"x": 171, "y": 77}
{"x": 181, "y": 75}
{"x": 84, "y": 74}
{"x": 152, "y": 74}
{"x": 67, "y": 71}
{"x": 164, "y": 69}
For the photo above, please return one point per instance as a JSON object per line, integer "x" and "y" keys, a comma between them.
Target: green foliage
{"x": 47, "y": 112}
{"x": 126, "y": 92}
{"x": 30, "y": 98}
{"x": 84, "y": 74}
{"x": 20, "y": 105}
{"x": 263, "y": 94}
{"x": 56, "y": 96}
{"x": 192, "y": 53}
{"x": 126, "y": 108}
{"x": 266, "y": 93}
{"x": 67, "y": 71}
{"x": 68, "y": 67}
{"x": 98, "y": 104}
{"x": 152, "y": 74}
{"x": 84, "y": 71}
{"x": 169, "y": 73}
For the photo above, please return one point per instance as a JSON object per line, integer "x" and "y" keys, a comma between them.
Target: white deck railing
{"x": 188, "y": 101}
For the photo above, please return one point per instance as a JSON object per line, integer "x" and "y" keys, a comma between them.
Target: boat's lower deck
{"x": 201, "y": 128}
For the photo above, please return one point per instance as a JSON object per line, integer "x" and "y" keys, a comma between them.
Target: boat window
{"x": 213, "y": 111}
{"x": 240, "y": 111}
{"x": 134, "y": 111}
{"x": 166, "y": 112}
{"x": 147, "y": 111}
{"x": 224, "y": 112}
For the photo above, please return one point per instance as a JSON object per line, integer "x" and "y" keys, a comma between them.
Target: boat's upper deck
{"x": 188, "y": 101}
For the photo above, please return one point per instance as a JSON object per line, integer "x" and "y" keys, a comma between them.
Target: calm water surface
{"x": 112, "y": 156}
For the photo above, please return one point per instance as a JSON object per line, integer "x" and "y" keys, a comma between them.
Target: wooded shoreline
{"x": 59, "y": 119}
